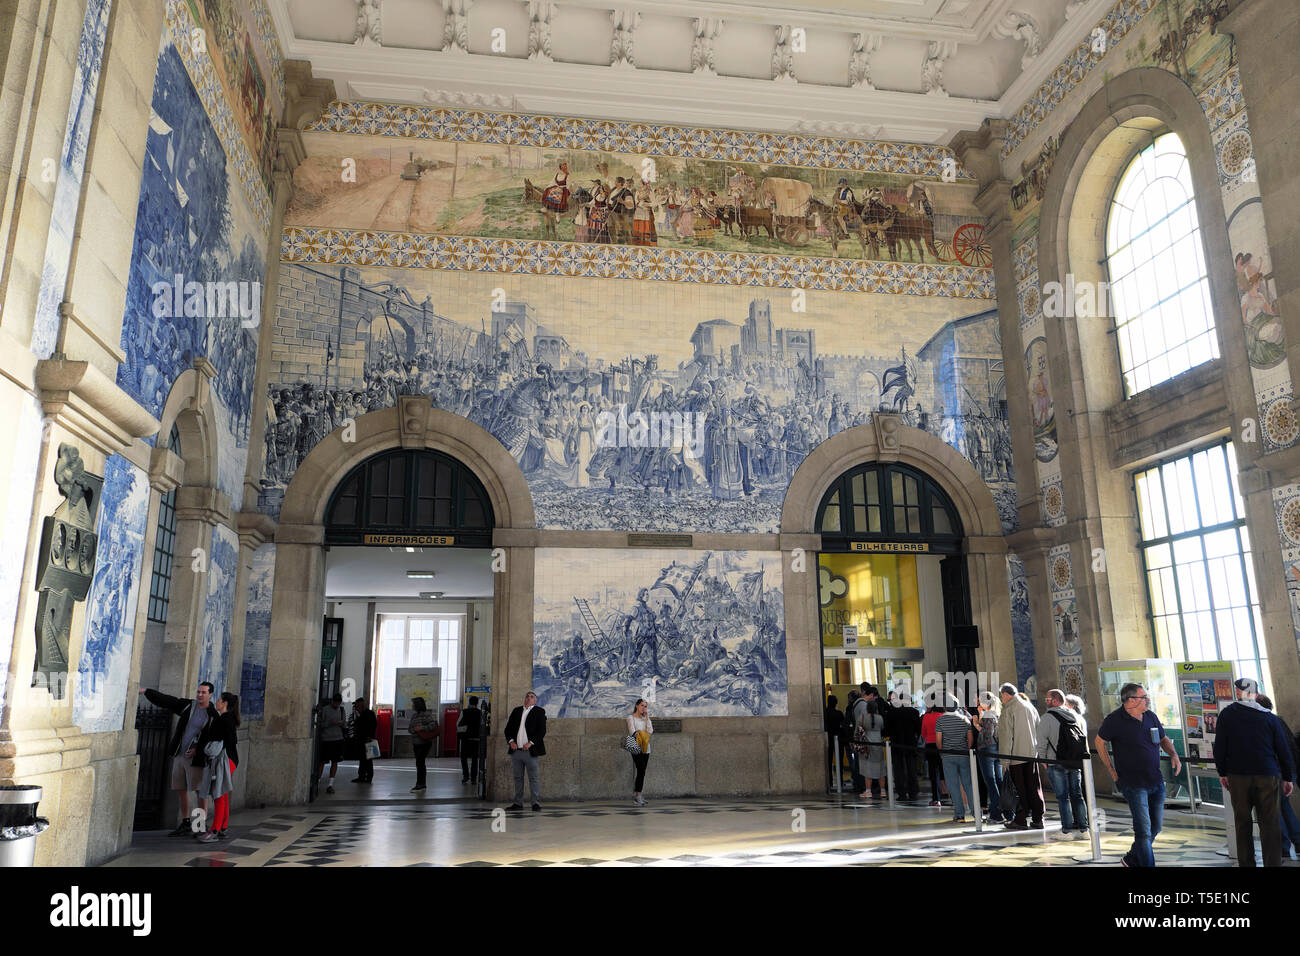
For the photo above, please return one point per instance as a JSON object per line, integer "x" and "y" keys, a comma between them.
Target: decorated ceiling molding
{"x": 916, "y": 70}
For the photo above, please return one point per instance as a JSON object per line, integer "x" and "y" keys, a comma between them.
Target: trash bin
{"x": 19, "y": 824}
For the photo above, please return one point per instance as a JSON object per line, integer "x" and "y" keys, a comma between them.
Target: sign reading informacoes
{"x": 410, "y": 540}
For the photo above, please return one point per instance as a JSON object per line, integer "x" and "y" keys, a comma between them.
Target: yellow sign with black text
{"x": 891, "y": 547}
{"x": 410, "y": 540}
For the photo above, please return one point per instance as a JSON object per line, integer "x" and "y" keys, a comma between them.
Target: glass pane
{"x": 873, "y": 516}
{"x": 856, "y": 490}
{"x": 873, "y": 487}
{"x": 831, "y": 518}
{"x": 859, "y": 518}
{"x": 939, "y": 518}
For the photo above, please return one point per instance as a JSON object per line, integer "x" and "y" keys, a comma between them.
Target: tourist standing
{"x": 1138, "y": 737}
{"x": 470, "y": 730}
{"x": 186, "y": 757}
{"x": 1253, "y": 760}
{"x": 1290, "y": 825}
{"x": 219, "y": 743}
{"x": 873, "y": 762}
{"x": 364, "y": 726}
{"x": 932, "y": 764}
{"x": 423, "y": 728}
{"x": 904, "y": 732}
{"x": 640, "y": 727}
{"x": 986, "y": 742}
{"x": 1018, "y": 734}
{"x": 332, "y": 721}
{"x": 853, "y": 714}
{"x": 832, "y": 722}
{"x": 953, "y": 733}
{"x": 526, "y": 737}
{"x": 1062, "y": 735}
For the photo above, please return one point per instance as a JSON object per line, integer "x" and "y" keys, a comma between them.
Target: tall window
{"x": 426, "y": 640}
{"x": 164, "y": 552}
{"x": 1156, "y": 263}
{"x": 1204, "y": 604}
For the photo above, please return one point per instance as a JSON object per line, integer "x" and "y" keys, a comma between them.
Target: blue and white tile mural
{"x": 1022, "y": 631}
{"x": 196, "y": 269}
{"x": 696, "y": 633}
{"x": 108, "y": 638}
{"x": 67, "y": 182}
{"x": 16, "y": 522}
{"x": 219, "y": 607}
{"x": 633, "y": 405}
{"x": 257, "y": 633}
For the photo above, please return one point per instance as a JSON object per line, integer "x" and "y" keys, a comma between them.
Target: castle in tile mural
{"x": 696, "y": 633}
{"x": 632, "y": 405}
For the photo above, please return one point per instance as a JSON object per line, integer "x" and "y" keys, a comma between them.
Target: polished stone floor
{"x": 385, "y": 825}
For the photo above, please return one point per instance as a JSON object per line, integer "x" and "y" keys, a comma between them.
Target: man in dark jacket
{"x": 364, "y": 727}
{"x": 1253, "y": 759}
{"x": 186, "y": 757}
{"x": 904, "y": 731}
{"x": 470, "y": 727}
{"x": 526, "y": 737}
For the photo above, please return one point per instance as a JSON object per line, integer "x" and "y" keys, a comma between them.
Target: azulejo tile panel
{"x": 546, "y": 258}
{"x": 198, "y": 65}
{"x": 651, "y": 139}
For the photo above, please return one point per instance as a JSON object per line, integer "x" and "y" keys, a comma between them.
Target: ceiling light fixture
{"x": 419, "y": 574}
{"x": 433, "y": 595}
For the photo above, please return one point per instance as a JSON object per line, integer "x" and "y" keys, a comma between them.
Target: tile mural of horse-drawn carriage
{"x": 597, "y": 196}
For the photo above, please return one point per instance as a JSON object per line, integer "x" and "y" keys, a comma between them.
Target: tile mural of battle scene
{"x": 696, "y": 633}
{"x": 633, "y": 405}
{"x": 596, "y": 196}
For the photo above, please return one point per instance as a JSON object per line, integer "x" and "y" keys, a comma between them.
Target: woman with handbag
{"x": 219, "y": 745}
{"x": 424, "y": 731}
{"x": 639, "y": 731}
{"x": 872, "y": 759}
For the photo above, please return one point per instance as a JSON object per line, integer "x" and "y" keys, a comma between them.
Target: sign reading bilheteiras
{"x": 66, "y": 567}
{"x": 411, "y": 540}
{"x": 892, "y": 547}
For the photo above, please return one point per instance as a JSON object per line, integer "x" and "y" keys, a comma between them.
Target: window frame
{"x": 436, "y": 617}
{"x": 880, "y": 474}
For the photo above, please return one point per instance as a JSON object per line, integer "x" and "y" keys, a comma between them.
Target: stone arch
{"x": 853, "y": 446}
{"x": 298, "y": 602}
{"x": 189, "y": 408}
{"x": 984, "y": 545}
{"x": 309, "y": 490}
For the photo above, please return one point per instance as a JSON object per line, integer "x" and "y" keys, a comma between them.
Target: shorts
{"x": 331, "y": 751}
{"x": 185, "y": 776}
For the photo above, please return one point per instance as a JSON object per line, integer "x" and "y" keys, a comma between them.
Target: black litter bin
{"x": 19, "y": 824}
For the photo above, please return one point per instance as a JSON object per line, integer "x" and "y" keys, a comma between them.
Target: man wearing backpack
{"x": 1061, "y": 737}
{"x": 851, "y": 720}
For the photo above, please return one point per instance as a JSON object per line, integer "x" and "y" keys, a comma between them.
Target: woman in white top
{"x": 639, "y": 726}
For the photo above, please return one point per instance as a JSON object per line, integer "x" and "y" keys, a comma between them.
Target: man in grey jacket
{"x": 1066, "y": 781}
{"x": 1018, "y": 734}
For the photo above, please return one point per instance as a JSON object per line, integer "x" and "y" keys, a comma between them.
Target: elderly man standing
{"x": 1253, "y": 758}
{"x": 1062, "y": 735}
{"x": 1018, "y": 734}
{"x": 1138, "y": 737}
{"x": 526, "y": 737}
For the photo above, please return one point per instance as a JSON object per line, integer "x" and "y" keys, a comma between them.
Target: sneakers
{"x": 209, "y": 837}
{"x": 1081, "y": 835}
{"x": 536, "y": 806}
{"x": 515, "y": 806}
{"x": 639, "y": 801}
{"x": 935, "y": 803}
{"x": 958, "y": 819}
{"x": 1037, "y": 825}
{"x": 1013, "y": 825}
{"x": 416, "y": 789}
{"x": 182, "y": 828}
{"x": 330, "y": 788}
{"x": 221, "y": 834}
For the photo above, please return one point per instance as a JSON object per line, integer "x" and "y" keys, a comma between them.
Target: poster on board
{"x": 1205, "y": 688}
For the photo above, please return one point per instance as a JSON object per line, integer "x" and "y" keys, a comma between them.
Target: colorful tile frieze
{"x": 541, "y": 257}
{"x": 251, "y": 173}
{"x": 648, "y": 139}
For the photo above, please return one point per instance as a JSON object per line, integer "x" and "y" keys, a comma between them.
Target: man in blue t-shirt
{"x": 1137, "y": 737}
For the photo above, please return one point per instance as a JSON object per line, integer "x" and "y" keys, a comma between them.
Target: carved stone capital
{"x": 980, "y": 150}
{"x": 205, "y": 505}
{"x": 255, "y": 529}
{"x": 80, "y": 398}
{"x": 166, "y": 470}
{"x": 305, "y": 96}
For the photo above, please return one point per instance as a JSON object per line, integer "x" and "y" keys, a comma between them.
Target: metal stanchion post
{"x": 839, "y": 771}
{"x": 1094, "y": 830}
{"x": 889, "y": 771}
{"x": 975, "y": 792}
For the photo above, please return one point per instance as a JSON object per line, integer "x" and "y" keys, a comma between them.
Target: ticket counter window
{"x": 876, "y": 593}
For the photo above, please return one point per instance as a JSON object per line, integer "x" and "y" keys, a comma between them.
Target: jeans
{"x": 421, "y": 749}
{"x": 1290, "y": 827}
{"x": 1069, "y": 797}
{"x": 991, "y": 771}
{"x": 956, "y": 771}
{"x": 1147, "y": 805}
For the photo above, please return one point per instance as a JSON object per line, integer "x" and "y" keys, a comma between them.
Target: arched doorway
{"x": 410, "y": 470}
{"x": 893, "y": 591}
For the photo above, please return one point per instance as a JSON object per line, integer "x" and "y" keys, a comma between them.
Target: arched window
{"x": 1156, "y": 265}
{"x": 410, "y": 493}
{"x": 164, "y": 552}
{"x": 887, "y": 502}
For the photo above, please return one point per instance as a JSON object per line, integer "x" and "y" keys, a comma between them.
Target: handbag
{"x": 372, "y": 749}
{"x": 631, "y": 746}
{"x": 1008, "y": 799}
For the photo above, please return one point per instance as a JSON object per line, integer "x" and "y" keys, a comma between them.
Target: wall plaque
{"x": 666, "y": 726}
{"x": 67, "y": 565}
{"x": 659, "y": 541}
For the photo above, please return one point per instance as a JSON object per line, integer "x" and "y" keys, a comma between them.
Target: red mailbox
{"x": 384, "y": 730}
{"x": 450, "y": 718}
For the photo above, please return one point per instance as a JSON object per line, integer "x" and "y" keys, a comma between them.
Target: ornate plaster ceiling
{"x": 912, "y": 70}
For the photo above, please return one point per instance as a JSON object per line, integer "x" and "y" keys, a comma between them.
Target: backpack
{"x": 1070, "y": 745}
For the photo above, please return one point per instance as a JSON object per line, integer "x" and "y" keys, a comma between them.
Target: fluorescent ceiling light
{"x": 419, "y": 574}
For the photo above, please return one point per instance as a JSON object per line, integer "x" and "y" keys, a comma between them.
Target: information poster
{"x": 1205, "y": 688}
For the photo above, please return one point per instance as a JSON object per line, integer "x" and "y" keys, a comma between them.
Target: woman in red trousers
{"x": 219, "y": 739}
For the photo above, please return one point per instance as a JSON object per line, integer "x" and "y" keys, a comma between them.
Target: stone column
{"x": 284, "y": 748}
{"x": 512, "y": 667}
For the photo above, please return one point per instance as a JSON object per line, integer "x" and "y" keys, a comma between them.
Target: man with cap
{"x": 1018, "y": 734}
{"x": 1253, "y": 759}
{"x": 1137, "y": 736}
